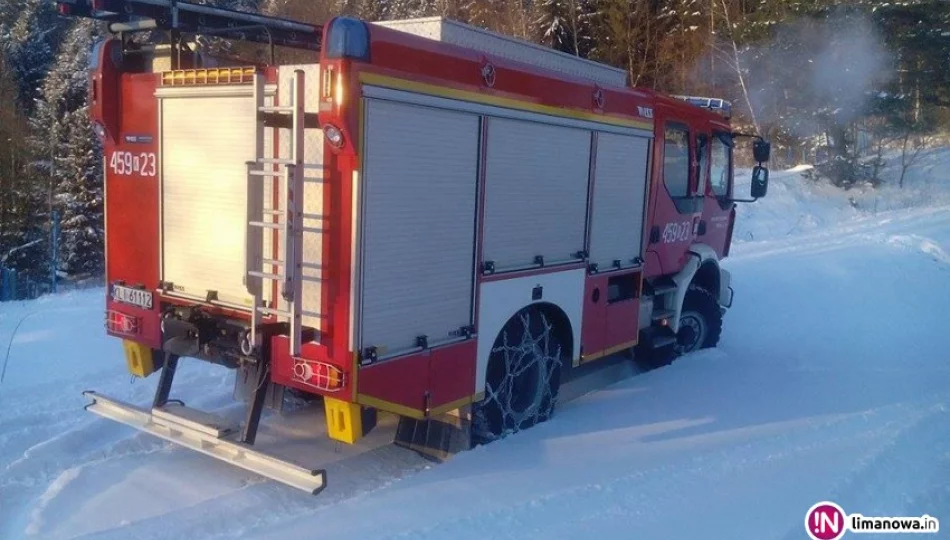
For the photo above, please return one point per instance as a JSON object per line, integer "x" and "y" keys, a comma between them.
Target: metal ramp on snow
{"x": 207, "y": 434}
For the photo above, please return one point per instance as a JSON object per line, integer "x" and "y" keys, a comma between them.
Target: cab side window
{"x": 721, "y": 165}
{"x": 676, "y": 160}
{"x": 702, "y": 149}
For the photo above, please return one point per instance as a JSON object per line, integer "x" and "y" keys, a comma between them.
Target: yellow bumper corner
{"x": 347, "y": 422}
{"x": 140, "y": 359}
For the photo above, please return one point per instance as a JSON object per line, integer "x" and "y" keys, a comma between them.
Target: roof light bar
{"x": 717, "y": 105}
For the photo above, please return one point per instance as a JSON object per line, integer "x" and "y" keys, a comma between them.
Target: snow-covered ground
{"x": 832, "y": 381}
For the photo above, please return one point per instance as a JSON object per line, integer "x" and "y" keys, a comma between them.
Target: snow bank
{"x": 796, "y": 205}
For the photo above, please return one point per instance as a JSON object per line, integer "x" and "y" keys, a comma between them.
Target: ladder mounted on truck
{"x": 186, "y": 17}
{"x": 285, "y": 267}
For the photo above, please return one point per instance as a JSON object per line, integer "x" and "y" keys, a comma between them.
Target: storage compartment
{"x": 207, "y": 136}
{"x": 620, "y": 184}
{"x": 418, "y": 225}
{"x": 535, "y": 194}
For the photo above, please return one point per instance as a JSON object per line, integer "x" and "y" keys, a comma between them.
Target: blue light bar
{"x": 348, "y": 38}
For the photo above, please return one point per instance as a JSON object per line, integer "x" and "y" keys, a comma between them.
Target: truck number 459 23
{"x": 128, "y": 163}
{"x": 677, "y": 232}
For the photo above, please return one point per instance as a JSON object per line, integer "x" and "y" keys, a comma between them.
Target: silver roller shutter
{"x": 205, "y": 144}
{"x": 418, "y": 223}
{"x": 536, "y": 192}
{"x": 620, "y": 177}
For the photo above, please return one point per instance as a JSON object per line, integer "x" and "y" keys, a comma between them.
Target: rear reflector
{"x": 319, "y": 375}
{"x": 120, "y": 323}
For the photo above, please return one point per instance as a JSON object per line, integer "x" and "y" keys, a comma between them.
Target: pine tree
{"x": 28, "y": 31}
{"x": 28, "y": 39}
{"x": 566, "y": 25}
{"x": 79, "y": 198}
{"x": 69, "y": 154}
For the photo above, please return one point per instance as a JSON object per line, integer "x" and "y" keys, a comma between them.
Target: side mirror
{"x": 761, "y": 150}
{"x": 760, "y": 181}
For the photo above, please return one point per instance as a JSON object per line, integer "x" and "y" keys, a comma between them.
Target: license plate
{"x": 135, "y": 297}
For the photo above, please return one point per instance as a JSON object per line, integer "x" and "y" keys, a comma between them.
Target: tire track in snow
{"x": 644, "y": 497}
{"x": 908, "y": 476}
{"x": 239, "y": 511}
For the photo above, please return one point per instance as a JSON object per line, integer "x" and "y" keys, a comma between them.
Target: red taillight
{"x": 320, "y": 375}
{"x": 120, "y": 323}
{"x": 97, "y": 5}
{"x": 64, "y": 9}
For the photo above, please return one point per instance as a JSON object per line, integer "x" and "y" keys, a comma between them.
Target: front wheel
{"x": 522, "y": 380}
{"x": 700, "y": 322}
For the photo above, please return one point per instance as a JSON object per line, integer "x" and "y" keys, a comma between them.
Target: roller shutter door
{"x": 205, "y": 144}
{"x": 620, "y": 177}
{"x": 418, "y": 224}
{"x": 536, "y": 192}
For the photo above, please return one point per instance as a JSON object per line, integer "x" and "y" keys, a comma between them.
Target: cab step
{"x": 663, "y": 286}
{"x": 658, "y": 337}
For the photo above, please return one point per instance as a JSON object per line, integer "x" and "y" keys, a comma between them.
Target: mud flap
{"x": 209, "y": 435}
{"x": 438, "y": 437}
{"x": 245, "y": 383}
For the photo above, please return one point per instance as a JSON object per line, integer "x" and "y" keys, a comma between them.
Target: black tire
{"x": 522, "y": 379}
{"x": 700, "y": 322}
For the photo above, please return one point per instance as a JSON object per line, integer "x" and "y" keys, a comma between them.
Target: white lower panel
{"x": 500, "y": 300}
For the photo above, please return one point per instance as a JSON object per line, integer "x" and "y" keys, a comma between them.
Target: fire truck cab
{"x": 425, "y": 219}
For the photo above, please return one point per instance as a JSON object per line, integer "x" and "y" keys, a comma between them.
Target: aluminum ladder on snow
{"x": 284, "y": 268}
{"x": 208, "y": 434}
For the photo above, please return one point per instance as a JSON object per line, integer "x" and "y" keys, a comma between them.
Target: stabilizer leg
{"x": 255, "y": 405}
{"x": 165, "y": 381}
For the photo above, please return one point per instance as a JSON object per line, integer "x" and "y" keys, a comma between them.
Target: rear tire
{"x": 522, "y": 379}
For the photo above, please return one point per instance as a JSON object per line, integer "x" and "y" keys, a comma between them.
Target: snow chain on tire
{"x": 523, "y": 378}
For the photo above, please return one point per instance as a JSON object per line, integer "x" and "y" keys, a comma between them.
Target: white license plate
{"x": 135, "y": 297}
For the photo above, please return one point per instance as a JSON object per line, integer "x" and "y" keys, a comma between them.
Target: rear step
{"x": 208, "y": 434}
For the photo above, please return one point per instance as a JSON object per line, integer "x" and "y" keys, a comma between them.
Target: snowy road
{"x": 832, "y": 381}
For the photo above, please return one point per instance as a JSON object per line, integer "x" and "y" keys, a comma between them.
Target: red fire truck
{"x": 424, "y": 218}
